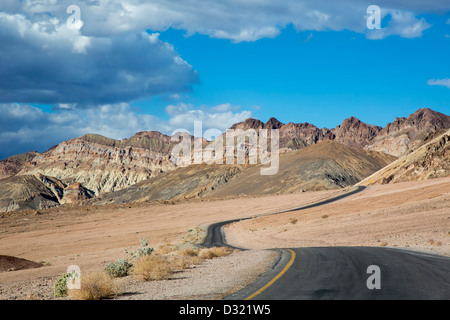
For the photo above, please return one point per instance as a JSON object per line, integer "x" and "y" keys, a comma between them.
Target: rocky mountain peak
{"x": 273, "y": 123}
{"x": 250, "y": 123}
{"x": 355, "y": 133}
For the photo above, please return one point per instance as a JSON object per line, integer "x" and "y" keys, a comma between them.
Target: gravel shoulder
{"x": 213, "y": 279}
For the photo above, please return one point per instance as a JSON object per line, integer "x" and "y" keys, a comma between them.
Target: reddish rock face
{"x": 248, "y": 124}
{"x": 93, "y": 165}
{"x": 12, "y": 165}
{"x": 273, "y": 124}
{"x": 354, "y": 133}
{"x": 405, "y": 134}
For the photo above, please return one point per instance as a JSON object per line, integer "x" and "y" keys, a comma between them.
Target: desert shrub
{"x": 60, "y": 288}
{"x": 209, "y": 253}
{"x": 152, "y": 267}
{"x": 191, "y": 252}
{"x": 166, "y": 248}
{"x": 118, "y": 269}
{"x": 221, "y": 251}
{"x": 205, "y": 254}
{"x": 95, "y": 286}
{"x": 145, "y": 250}
{"x": 178, "y": 262}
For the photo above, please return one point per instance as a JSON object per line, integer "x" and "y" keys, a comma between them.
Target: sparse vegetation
{"x": 95, "y": 286}
{"x": 209, "y": 253}
{"x": 190, "y": 252}
{"x": 145, "y": 250}
{"x": 152, "y": 267}
{"x": 294, "y": 220}
{"x": 60, "y": 288}
{"x": 118, "y": 269}
{"x": 434, "y": 242}
{"x": 166, "y": 248}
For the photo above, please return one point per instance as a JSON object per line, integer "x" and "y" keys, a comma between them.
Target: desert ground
{"x": 411, "y": 215}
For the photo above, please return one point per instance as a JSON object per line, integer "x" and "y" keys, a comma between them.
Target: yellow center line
{"x": 276, "y": 278}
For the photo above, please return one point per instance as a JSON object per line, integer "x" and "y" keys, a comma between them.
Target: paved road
{"x": 216, "y": 237}
{"x": 342, "y": 272}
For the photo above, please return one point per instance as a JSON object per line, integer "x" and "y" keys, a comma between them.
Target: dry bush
{"x": 209, "y": 253}
{"x": 166, "y": 248}
{"x": 180, "y": 262}
{"x": 152, "y": 267}
{"x": 95, "y": 286}
{"x": 190, "y": 252}
{"x": 205, "y": 253}
{"x": 434, "y": 242}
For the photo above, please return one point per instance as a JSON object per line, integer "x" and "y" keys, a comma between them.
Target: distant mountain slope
{"x": 430, "y": 160}
{"x": 25, "y": 192}
{"x": 38, "y": 192}
{"x": 322, "y": 166}
{"x": 100, "y": 165}
{"x": 326, "y": 165}
{"x": 183, "y": 183}
{"x": 405, "y": 134}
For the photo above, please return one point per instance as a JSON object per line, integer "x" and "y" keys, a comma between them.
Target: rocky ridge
{"x": 93, "y": 165}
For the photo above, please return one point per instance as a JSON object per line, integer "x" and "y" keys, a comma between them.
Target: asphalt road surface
{"x": 345, "y": 273}
{"x": 216, "y": 237}
{"x": 341, "y": 273}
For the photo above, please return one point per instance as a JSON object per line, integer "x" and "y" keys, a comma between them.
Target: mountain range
{"x": 141, "y": 168}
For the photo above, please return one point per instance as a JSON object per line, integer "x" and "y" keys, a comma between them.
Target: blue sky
{"x": 321, "y": 77}
{"x": 160, "y": 65}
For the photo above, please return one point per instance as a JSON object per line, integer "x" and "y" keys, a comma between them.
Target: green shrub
{"x": 145, "y": 250}
{"x": 118, "y": 269}
{"x": 61, "y": 284}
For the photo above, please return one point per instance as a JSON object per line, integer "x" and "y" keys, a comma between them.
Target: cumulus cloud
{"x": 237, "y": 20}
{"x": 401, "y": 23}
{"x": 46, "y": 62}
{"x": 439, "y": 82}
{"x": 24, "y": 127}
{"x": 219, "y": 117}
{"x": 111, "y": 59}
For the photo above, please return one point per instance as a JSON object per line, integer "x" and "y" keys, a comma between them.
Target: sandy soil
{"x": 414, "y": 215}
{"x": 411, "y": 215}
{"x": 91, "y": 237}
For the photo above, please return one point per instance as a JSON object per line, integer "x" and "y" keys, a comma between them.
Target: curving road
{"x": 216, "y": 237}
{"x": 341, "y": 273}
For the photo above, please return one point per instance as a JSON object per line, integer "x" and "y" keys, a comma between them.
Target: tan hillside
{"x": 431, "y": 160}
{"x": 405, "y": 134}
{"x": 327, "y": 165}
{"x": 25, "y": 192}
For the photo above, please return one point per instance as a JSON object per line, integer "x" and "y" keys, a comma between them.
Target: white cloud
{"x": 220, "y": 117}
{"x": 43, "y": 61}
{"x": 439, "y": 82}
{"x": 237, "y": 20}
{"x": 401, "y": 23}
{"x": 24, "y": 127}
